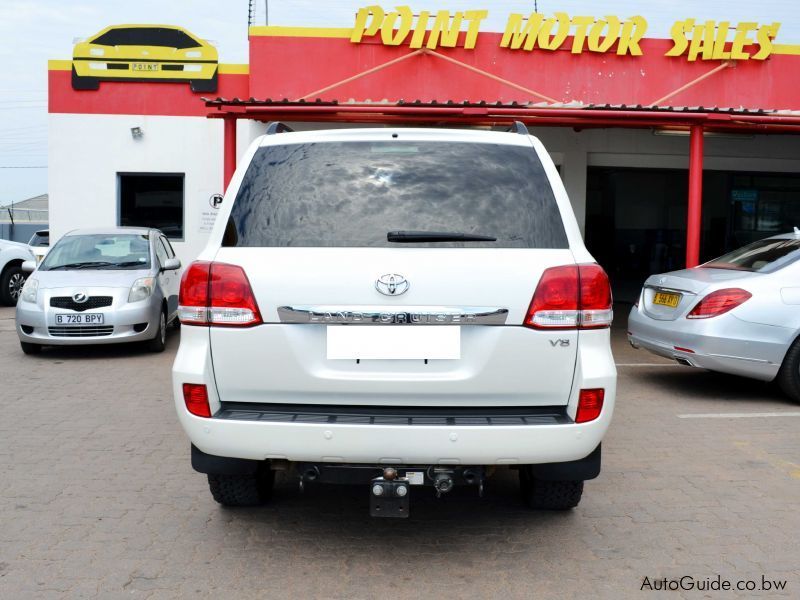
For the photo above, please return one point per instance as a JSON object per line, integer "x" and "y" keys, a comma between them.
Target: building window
{"x": 152, "y": 200}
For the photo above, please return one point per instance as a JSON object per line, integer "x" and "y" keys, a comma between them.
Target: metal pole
{"x": 694, "y": 220}
{"x": 266, "y": 9}
{"x": 229, "y": 150}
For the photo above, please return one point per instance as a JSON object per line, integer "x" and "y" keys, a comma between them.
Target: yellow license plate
{"x": 144, "y": 67}
{"x": 665, "y": 299}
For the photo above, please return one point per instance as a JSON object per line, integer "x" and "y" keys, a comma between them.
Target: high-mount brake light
{"x": 217, "y": 294}
{"x": 571, "y": 297}
{"x": 718, "y": 303}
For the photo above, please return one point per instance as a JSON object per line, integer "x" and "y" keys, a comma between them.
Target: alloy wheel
{"x": 15, "y": 284}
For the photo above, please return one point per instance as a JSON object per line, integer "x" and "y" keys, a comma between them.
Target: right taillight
{"x": 590, "y": 404}
{"x": 718, "y": 303}
{"x": 571, "y": 297}
{"x": 195, "y": 396}
{"x": 217, "y": 294}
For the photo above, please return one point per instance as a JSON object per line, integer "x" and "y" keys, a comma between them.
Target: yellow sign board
{"x": 707, "y": 40}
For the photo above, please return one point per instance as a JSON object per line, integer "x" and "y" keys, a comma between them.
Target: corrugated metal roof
{"x": 219, "y": 102}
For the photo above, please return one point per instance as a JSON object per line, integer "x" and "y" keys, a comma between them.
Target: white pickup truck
{"x": 395, "y": 308}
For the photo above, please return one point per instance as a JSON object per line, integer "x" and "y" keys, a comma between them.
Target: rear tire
{"x": 30, "y": 349}
{"x": 242, "y": 490}
{"x": 539, "y": 494}
{"x": 789, "y": 375}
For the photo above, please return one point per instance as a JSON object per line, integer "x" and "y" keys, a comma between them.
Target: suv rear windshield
{"x": 353, "y": 193}
{"x": 761, "y": 256}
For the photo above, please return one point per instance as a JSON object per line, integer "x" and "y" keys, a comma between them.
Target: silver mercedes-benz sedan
{"x": 100, "y": 286}
{"x": 737, "y": 314}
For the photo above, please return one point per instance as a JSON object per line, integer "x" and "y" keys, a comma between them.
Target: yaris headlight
{"x": 141, "y": 289}
{"x": 29, "y": 290}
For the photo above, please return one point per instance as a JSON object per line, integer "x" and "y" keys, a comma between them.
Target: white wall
{"x": 86, "y": 152}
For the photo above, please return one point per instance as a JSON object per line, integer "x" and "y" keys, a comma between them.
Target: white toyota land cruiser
{"x": 395, "y": 308}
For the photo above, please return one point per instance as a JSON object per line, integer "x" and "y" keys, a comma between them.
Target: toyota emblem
{"x": 392, "y": 284}
{"x": 80, "y": 297}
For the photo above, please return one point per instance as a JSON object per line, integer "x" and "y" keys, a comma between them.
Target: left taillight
{"x": 718, "y": 303}
{"x": 217, "y": 294}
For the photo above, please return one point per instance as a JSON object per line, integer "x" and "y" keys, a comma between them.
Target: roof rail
{"x": 277, "y": 127}
{"x": 519, "y": 127}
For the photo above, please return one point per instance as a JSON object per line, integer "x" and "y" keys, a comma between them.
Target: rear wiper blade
{"x": 409, "y": 237}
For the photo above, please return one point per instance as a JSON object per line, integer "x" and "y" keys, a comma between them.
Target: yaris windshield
{"x": 116, "y": 251}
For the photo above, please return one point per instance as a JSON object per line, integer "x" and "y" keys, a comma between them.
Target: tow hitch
{"x": 389, "y": 495}
{"x": 390, "y": 487}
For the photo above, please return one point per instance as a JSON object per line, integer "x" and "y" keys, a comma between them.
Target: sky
{"x": 33, "y": 31}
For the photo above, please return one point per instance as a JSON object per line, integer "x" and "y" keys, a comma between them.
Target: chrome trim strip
{"x": 670, "y": 290}
{"x": 393, "y": 315}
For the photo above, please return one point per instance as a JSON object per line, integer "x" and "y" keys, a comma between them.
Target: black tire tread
{"x": 549, "y": 495}
{"x": 789, "y": 374}
{"x": 30, "y": 349}
{"x": 155, "y": 344}
{"x": 5, "y": 278}
{"x": 241, "y": 490}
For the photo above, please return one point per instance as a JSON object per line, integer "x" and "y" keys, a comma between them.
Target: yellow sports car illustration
{"x": 144, "y": 53}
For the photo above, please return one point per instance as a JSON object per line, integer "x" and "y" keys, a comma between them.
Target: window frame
{"x": 121, "y": 174}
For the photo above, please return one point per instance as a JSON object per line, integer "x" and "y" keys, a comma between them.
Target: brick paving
{"x": 98, "y": 500}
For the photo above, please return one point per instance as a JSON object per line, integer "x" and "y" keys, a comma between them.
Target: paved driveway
{"x": 98, "y": 499}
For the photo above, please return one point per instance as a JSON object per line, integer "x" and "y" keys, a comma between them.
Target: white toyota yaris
{"x": 395, "y": 308}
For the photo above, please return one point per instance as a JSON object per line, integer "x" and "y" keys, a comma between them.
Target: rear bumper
{"x": 582, "y": 469}
{"x": 451, "y": 443}
{"x": 394, "y": 444}
{"x": 727, "y": 346}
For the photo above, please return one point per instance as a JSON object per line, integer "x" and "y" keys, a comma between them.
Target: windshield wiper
{"x": 409, "y": 237}
{"x": 81, "y": 265}
{"x": 124, "y": 264}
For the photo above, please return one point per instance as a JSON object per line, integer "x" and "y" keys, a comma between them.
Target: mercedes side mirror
{"x": 29, "y": 266}
{"x": 171, "y": 264}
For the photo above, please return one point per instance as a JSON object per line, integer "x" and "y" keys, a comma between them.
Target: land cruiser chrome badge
{"x": 391, "y": 284}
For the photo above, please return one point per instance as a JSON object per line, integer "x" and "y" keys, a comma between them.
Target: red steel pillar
{"x": 694, "y": 221}
{"x": 229, "y": 151}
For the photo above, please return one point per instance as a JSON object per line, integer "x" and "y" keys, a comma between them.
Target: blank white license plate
{"x": 376, "y": 342}
{"x": 81, "y": 319}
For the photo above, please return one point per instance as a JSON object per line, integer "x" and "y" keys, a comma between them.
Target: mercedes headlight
{"x": 29, "y": 290}
{"x": 141, "y": 289}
